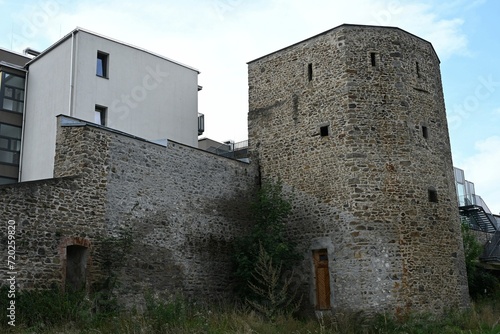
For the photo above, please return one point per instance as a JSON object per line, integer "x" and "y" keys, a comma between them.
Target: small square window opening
{"x": 323, "y": 131}
{"x": 433, "y": 197}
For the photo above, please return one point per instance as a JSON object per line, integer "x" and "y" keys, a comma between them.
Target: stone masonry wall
{"x": 55, "y": 213}
{"x": 353, "y": 122}
{"x": 185, "y": 206}
{"x": 182, "y": 206}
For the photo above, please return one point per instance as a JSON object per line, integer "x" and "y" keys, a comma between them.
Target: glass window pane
{"x": 15, "y": 145}
{"x": 12, "y": 105}
{"x": 8, "y": 104}
{"x": 102, "y": 64}
{"x": 14, "y": 81}
{"x": 18, "y": 106}
{"x": 7, "y": 180}
{"x": 7, "y": 157}
{"x": 19, "y": 94}
{"x": 459, "y": 175}
{"x": 9, "y": 92}
{"x": 100, "y": 68}
{"x": 97, "y": 117}
{"x": 100, "y": 115}
{"x": 4, "y": 143}
{"x": 10, "y": 131}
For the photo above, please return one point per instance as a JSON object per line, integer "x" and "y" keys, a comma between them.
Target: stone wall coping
{"x": 69, "y": 121}
{"x": 345, "y": 25}
{"x": 37, "y": 182}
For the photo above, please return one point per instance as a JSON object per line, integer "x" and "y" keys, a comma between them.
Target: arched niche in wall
{"x": 75, "y": 260}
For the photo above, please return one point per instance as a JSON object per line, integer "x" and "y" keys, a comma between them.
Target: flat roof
{"x": 78, "y": 29}
{"x": 14, "y": 52}
{"x": 13, "y": 66}
{"x": 342, "y": 26}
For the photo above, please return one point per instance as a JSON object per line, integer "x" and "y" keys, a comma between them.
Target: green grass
{"x": 53, "y": 312}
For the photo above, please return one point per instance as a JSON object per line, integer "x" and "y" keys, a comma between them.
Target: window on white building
{"x": 12, "y": 92}
{"x": 100, "y": 115}
{"x": 102, "y": 64}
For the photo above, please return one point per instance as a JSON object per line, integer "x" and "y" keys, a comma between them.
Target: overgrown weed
{"x": 55, "y": 312}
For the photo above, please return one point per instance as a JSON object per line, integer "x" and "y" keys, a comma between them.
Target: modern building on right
{"x": 475, "y": 213}
{"x": 353, "y": 122}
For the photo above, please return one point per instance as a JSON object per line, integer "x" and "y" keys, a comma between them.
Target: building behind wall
{"x": 12, "y": 85}
{"x": 101, "y": 80}
{"x": 353, "y": 121}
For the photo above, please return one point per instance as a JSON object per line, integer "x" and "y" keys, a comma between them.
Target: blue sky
{"x": 218, "y": 37}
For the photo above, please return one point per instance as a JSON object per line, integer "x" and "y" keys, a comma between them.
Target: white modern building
{"x": 98, "y": 79}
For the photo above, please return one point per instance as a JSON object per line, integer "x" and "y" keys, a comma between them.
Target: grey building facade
{"x": 12, "y": 87}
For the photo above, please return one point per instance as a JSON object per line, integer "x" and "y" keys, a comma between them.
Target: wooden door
{"x": 322, "y": 279}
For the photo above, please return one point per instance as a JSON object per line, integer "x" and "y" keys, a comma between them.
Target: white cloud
{"x": 482, "y": 168}
{"x": 218, "y": 37}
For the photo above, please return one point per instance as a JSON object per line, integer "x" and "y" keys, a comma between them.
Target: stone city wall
{"x": 180, "y": 206}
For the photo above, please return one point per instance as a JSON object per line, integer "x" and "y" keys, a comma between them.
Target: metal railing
{"x": 240, "y": 145}
{"x": 474, "y": 200}
{"x": 201, "y": 124}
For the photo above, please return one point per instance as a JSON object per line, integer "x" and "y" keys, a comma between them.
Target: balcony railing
{"x": 201, "y": 124}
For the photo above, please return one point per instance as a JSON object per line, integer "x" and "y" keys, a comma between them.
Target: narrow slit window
{"x": 417, "y": 67}
{"x": 310, "y": 72}
{"x": 102, "y": 64}
{"x": 425, "y": 132}
{"x": 433, "y": 197}
{"x": 323, "y": 131}
{"x": 373, "y": 58}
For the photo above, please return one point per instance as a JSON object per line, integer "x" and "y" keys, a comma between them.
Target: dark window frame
{"x": 11, "y": 141}
{"x": 102, "y": 111}
{"x": 17, "y": 97}
{"x": 102, "y": 65}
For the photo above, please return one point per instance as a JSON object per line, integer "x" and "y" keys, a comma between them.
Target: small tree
{"x": 269, "y": 210}
{"x": 273, "y": 290}
{"x": 480, "y": 280}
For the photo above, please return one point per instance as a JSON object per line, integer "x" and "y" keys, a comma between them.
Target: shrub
{"x": 481, "y": 282}
{"x": 273, "y": 290}
{"x": 269, "y": 210}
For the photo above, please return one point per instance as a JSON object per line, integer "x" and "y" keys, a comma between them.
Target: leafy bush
{"x": 481, "y": 282}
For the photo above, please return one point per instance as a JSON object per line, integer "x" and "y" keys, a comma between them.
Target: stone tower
{"x": 353, "y": 122}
